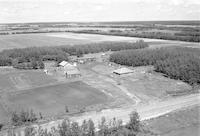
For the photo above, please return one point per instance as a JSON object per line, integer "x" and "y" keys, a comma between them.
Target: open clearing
{"x": 184, "y": 122}
{"x": 51, "y": 100}
{"x": 57, "y": 39}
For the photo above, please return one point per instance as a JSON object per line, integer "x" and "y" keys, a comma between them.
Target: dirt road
{"x": 145, "y": 111}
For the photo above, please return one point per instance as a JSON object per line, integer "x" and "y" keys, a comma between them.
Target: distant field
{"x": 180, "y": 123}
{"x": 57, "y": 39}
{"x": 38, "y": 40}
{"x": 51, "y": 100}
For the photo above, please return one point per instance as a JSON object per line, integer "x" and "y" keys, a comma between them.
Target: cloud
{"x": 97, "y": 10}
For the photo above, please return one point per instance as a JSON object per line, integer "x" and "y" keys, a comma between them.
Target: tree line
{"x": 33, "y": 57}
{"x": 183, "y": 36}
{"x": 113, "y": 127}
{"x": 175, "y": 62}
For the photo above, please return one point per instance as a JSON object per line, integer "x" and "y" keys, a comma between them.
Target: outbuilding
{"x": 63, "y": 63}
{"x": 122, "y": 71}
{"x": 72, "y": 73}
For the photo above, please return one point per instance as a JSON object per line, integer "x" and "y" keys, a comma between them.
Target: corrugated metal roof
{"x": 63, "y": 63}
{"x": 123, "y": 71}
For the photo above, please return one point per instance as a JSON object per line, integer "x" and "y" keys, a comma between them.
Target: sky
{"x": 22, "y": 11}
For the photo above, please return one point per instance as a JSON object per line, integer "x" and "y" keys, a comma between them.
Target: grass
{"x": 44, "y": 93}
{"x": 57, "y": 39}
{"x": 180, "y": 123}
{"x": 144, "y": 84}
{"x": 14, "y": 80}
{"x": 153, "y": 85}
{"x": 3, "y": 114}
{"x": 51, "y": 100}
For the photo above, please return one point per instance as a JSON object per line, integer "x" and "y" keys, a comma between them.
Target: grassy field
{"x": 13, "y": 80}
{"x": 180, "y": 123}
{"x": 45, "y": 93}
{"x": 152, "y": 85}
{"x": 51, "y": 39}
{"x": 57, "y": 39}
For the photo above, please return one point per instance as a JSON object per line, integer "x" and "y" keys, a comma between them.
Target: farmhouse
{"x": 122, "y": 71}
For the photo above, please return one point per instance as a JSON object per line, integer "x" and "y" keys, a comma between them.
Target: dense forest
{"x": 32, "y": 58}
{"x": 175, "y": 62}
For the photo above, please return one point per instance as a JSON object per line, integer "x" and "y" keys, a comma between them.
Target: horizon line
{"x": 96, "y": 21}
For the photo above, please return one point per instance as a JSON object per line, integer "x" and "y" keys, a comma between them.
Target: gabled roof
{"x": 123, "y": 71}
{"x": 63, "y": 63}
{"x": 73, "y": 71}
{"x": 69, "y": 67}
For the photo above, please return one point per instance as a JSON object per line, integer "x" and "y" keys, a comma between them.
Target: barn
{"x": 122, "y": 71}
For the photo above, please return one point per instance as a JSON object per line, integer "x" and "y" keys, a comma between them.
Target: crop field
{"x": 57, "y": 39}
{"x": 38, "y": 40}
{"x": 51, "y": 100}
{"x": 24, "y": 89}
{"x": 180, "y": 123}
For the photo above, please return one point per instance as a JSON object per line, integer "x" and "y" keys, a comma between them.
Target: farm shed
{"x": 71, "y": 71}
{"x": 74, "y": 72}
{"x": 63, "y": 63}
{"x": 122, "y": 71}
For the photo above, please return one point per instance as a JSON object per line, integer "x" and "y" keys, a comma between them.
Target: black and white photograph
{"x": 99, "y": 67}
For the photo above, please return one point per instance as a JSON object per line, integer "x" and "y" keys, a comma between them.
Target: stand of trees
{"x": 174, "y": 62}
{"x": 32, "y": 58}
{"x": 24, "y": 117}
{"x": 113, "y": 127}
